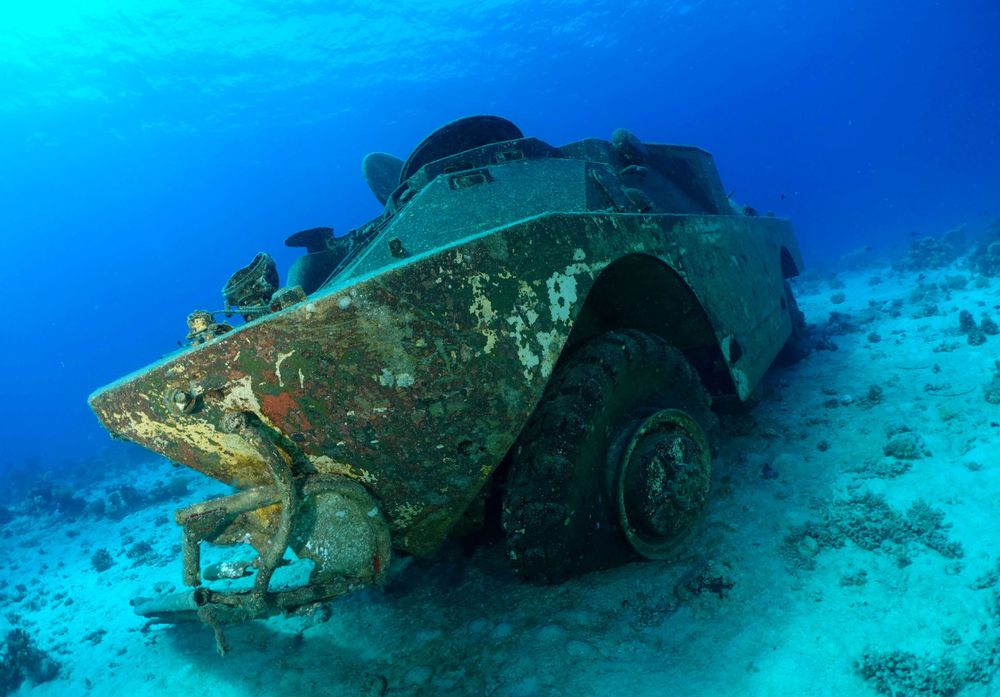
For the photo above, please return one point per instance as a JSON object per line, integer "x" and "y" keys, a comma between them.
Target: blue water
{"x": 151, "y": 148}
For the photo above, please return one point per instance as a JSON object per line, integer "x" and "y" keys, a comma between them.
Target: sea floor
{"x": 849, "y": 548}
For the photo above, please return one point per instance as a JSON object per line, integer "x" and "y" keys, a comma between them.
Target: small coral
{"x": 141, "y": 552}
{"x": 707, "y": 576}
{"x": 839, "y": 324}
{"x": 926, "y": 525}
{"x": 933, "y": 252}
{"x": 903, "y": 673}
{"x": 988, "y": 326}
{"x": 873, "y": 396}
{"x": 166, "y": 491}
{"x": 906, "y": 446}
{"x": 23, "y": 660}
{"x": 102, "y": 560}
{"x": 991, "y": 390}
{"x": 871, "y": 524}
{"x": 958, "y": 282}
{"x": 986, "y": 258}
{"x": 966, "y": 322}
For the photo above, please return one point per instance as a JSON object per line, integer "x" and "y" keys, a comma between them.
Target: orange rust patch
{"x": 282, "y": 408}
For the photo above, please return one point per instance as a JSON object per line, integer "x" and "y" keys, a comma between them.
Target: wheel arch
{"x": 641, "y": 291}
{"x": 789, "y": 265}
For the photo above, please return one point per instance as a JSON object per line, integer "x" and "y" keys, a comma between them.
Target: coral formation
{"x": 933, "y": 252}
{"x": 123, "y": 500}
{"x": 707, "y": 576}
{"x": 22, "y": 660}
{"x": 872, "y": 397}
{"x": 991, "y": 390}
{"x": 871, "y": 524}
{"x": 986, "y": 258}
{"x": 988, "y": 326}
{"x": 901, "y": 673}
{"x": 975, "y": 334}
{"x": 840, "y": 324}
{"x": 102, "y": 560}
{"x": 966, "y": 322}
{"x": 905, "y": 445}
{"x": 958, "y": 282}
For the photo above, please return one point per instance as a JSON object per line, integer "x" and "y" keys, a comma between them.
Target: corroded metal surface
{"x": 413, "y": 366}
{"x": 416, "y": 379}
{"x": 366, "y": 406}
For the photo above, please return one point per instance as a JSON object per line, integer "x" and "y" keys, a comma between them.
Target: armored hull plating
{"x": 411, "y": 371}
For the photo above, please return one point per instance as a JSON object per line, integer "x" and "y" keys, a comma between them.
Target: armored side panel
{"x": 415, "y": 375}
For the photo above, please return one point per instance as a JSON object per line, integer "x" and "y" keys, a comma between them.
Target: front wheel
{"x": 614, "y": 463}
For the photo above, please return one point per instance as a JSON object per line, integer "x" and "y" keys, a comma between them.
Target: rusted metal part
{"x": 202, "y": 327}
{"x": 250, "y": 289}
{"x": 416, "y": 380}
{"x": 342, "y": 530}
{"x": 216, "y": 608}
{"x": 332, "y": 521}
{"x": 239, "y": 568}
{"x": 219, "y": 521}
{"x": 660, "y": 480}
{"x": 286, "y": 297}
{"x": 231, "y": 607}
{"x": 408, "y": 374}
{"x": 279, "y": 465}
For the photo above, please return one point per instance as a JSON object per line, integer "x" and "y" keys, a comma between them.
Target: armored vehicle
{"x": 528, "y": 336}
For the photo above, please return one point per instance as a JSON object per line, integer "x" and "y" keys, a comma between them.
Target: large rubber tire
{"x": 559, "y": 516}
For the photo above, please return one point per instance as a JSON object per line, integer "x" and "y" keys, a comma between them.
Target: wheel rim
{"x": 661, "y": 480}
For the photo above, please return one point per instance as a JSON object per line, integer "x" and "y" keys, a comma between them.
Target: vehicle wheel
{"x": 613, "y": 464}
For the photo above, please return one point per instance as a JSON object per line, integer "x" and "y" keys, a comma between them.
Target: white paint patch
{"x": 529, "y": 359}
{"x": 240, "y": 397}
{"x": 482, "y": 309}
{"x": 277, "y": 366}
{"x": 549, "y": 344}
{"x": 562, "y": 291}
{"x": 406, "y": 513}
{"x": 524, "y": 316}
{"x": 327, "y": 465}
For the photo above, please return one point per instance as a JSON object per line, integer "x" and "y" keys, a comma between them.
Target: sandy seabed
{"x": 849, "y": 548}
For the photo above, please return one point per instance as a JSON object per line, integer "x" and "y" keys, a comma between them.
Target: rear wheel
{"x": 614, "y": 463}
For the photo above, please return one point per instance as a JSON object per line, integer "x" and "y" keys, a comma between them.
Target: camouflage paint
{"x": 415, "y": 376}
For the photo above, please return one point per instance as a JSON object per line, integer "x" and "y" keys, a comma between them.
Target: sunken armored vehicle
{"x": 527, "y": 335}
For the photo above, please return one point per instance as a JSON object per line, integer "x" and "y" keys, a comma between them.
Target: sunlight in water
{"x": 51, "y": 18}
